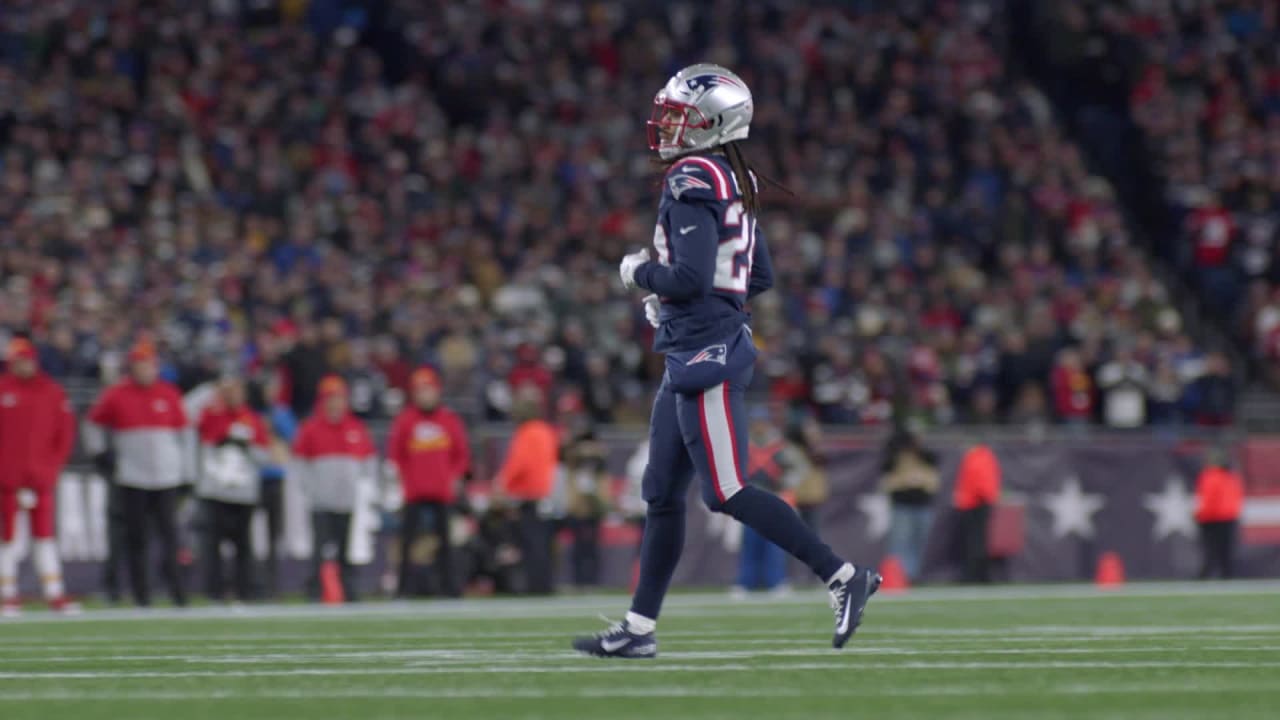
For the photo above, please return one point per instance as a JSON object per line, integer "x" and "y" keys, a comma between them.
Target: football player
{"x": 710, "y": 260}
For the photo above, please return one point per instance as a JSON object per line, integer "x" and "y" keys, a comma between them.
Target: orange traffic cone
{"x": 894, "y": 577}
{"x": 1110, "y": 571}
{"x": 331, "y": 584}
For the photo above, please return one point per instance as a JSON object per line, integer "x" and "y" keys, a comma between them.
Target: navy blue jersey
{"x": 710, "y": 256}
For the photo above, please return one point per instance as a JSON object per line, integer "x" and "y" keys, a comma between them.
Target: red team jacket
{"x": 218, "y": 420}
{"x": 37, "y": 431}
{"x": 431, "y": 452}
{"x": 329, "y": 458}
{"x": 150, "y": 431}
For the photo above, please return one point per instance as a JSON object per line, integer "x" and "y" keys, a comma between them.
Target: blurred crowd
{"x": 1204, "y": 86}
{"x": 305, "y": 187}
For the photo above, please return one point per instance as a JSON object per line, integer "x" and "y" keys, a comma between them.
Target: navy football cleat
{"x": 618, "y": 642}
{"x": 848, "y": 600}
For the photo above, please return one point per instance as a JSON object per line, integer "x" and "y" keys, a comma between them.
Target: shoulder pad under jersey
{"x": 699, "y": 178}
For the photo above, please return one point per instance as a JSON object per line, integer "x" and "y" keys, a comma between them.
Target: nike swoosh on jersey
{"x": 687, "y": 230}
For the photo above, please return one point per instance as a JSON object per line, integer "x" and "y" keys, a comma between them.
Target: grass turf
{"x": 1167, "y": 651}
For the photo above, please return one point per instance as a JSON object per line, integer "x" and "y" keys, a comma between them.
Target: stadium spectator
{"x": 282, "y": 427}
{"x": 976, "y": 493}
{"x": 37, "y": 431}
{"x": 332, "y": 454}
{"x": 1072, "y": 388}
{"x": 526, "y": 480}
{"x": 429, "y": 447}
{"x": 1219, "y": 501}
{"x": 909, "y": 475}
{"x": 762, "y": 566}
{"x": 234, "y": 445}
{"x": 585, "y": 479}
{"x": 804, "y": 437}
{"x": 140, "y": 433}
{"x": 1211, "y": 396}
{"x": 1123, "y": 383}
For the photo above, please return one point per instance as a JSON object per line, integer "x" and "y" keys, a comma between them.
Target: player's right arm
{"x": 693, "y": 246}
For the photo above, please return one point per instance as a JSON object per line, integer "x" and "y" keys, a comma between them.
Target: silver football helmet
{"x": 701, "y": 107}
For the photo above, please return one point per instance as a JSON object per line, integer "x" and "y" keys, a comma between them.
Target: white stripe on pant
{"x": 717, "y": 435}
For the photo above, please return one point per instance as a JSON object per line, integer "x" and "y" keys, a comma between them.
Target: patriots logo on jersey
{"x": 715, "y": 354}
{"x": 683, "y": 182}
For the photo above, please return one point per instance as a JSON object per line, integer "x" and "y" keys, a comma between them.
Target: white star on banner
{"x": 876, "y": 508}
{"x": 1174, "y": 509}
{"x": 1073, "y": 509}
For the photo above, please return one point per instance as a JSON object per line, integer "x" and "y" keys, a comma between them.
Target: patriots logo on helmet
{"x": 715, "y": 354}
{"x": 706, "y": 82}
{"x": 681, "y": 182}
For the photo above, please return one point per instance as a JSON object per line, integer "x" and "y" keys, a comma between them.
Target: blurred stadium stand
{"x": 402, "y": 181}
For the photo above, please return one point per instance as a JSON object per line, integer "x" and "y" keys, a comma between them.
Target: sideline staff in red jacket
{"x": 37, "y": 430}
{"x": 233, "y": 447}
{"x": 332, "y": 454}
{"x": 976, "y": 493}
{"x": 1219, "y": 501}
{"x": 428, "y": 445}
{"x": 152, "y": 445}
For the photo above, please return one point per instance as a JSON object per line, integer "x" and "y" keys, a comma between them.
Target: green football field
{"x": 1148, "y": 651}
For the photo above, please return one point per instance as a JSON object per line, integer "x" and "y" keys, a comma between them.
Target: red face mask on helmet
{"x": 672, "y": 119}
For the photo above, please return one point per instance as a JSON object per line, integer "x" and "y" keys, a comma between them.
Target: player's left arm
{"x": 761, "y": 267}
{"x": 693, "y": 255}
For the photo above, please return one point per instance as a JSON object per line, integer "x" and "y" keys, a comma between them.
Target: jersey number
{"x": 734, "y": 256}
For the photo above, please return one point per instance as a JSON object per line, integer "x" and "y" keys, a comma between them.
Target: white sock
{"x": 844, "y": 574}
{"x": 640, "y": 624}
{"x": 8, "y": 572}
{"x": 49, "y": 567}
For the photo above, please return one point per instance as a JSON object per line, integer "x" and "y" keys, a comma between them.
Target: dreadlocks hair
{"x": 745, "y": 175}
{"x": 742, "y": 173}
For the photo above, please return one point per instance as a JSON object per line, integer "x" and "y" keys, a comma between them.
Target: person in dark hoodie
{"x": 306, "y": 365}
{"x": 909, "y": 476}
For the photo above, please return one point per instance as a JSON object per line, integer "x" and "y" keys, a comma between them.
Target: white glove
{"x": 627, "y": 269}
{"x": 652, "y": 307}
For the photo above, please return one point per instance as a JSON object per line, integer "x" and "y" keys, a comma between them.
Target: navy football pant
{"x": 706, "y": 434}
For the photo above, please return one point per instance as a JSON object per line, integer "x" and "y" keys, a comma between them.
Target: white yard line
{"x": 688, "y": 605}
{"x": 585, "y": 666}
{"x": 446, "y": 657}
{"x": 611, "y": 691}
{"x": 787, "y": 648}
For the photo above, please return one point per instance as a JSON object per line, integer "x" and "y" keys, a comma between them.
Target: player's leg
{"x": 137, "y": 553}
{"x": 444, "y": 565}
{"x": 406, "y": 584}
{"x": 342, "y": 539}
{"x": 164, "y": 512}
{"x": 8, "y": 553}
{"x": 212, "y": 549}
{"x": 242, "y": 520}
{"x": 44, "y": 549}
{"x": 714, "y": 426}
{"x": 664, "y": 487}
{"x": 273, "y": 505}
{"x": 111, "y": 568}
